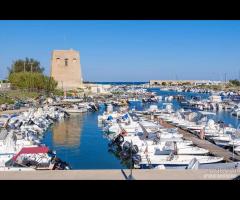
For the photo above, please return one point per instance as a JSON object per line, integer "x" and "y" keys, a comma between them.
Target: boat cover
{"x": 31, "y": 150}
{"x": 125, "y": 116}
{"x": 110, "y": 117}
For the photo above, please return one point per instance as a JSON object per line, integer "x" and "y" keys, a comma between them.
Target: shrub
{"x": 28, "y": 80}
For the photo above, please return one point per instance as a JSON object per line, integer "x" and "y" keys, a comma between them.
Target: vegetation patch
{"x": 6, "y": 100}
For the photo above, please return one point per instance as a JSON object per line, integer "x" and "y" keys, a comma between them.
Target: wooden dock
{"x": 213, "y": 149}
{"x": 144, "y": 131}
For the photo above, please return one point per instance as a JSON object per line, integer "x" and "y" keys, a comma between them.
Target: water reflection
{"x": 68, "y": 132}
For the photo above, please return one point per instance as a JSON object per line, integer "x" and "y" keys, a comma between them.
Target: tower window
{"x": 66, "y": 62}
{"x": 74, "y": 60}
{"x": 57, "y": 59}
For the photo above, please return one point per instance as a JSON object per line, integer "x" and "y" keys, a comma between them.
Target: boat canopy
{"x": 110, "y": 117}
{"x": 31, "y": 150}
{"x": 125, "y": 116}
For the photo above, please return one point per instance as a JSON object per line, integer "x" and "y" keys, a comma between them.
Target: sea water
{"x": 80, "y": 140}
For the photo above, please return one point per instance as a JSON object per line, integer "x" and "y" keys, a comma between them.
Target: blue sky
{"x": 129, "y": 50}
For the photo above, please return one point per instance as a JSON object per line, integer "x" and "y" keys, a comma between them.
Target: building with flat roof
{"x": 66, "y": 69}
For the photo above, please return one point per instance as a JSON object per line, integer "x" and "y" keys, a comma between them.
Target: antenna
{"x": 176, "y": 77}
{"x": 239, "y": 74}
{"x": 225, "y": 77}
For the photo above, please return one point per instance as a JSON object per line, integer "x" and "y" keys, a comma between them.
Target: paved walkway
{"x": 122, "y": 175}
{"x": 13, "y": 111}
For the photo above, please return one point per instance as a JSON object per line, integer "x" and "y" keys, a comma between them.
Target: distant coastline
{"x": 116, "y": 83}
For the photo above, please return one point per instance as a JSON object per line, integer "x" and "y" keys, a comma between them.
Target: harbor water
{"x": 80, "y": 141}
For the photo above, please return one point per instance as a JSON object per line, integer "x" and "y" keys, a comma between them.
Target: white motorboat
{"x": 177, "y": 159}
{"x": 222, "y": 140}
{"x": 76, "y": 109}
{"x": 195, "y": 127}
{"x": 237, "y": 150}
{"x": 110, "y": 116}
{"x": 236, "y": 113}
{"x": 73, "y": 100}
{"x": 180, "y": 150}
{"x": 169, "y": 135}
{"x": 5, "y": 158}
{"x": 40, "y": 158}
{"x": 134, "y": 100}
{"x": 234, "y": 142}
{"x": 151, "y": 142}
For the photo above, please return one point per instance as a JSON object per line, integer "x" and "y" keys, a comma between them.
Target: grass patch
{"x": 21, "y": 94}
{"x": 224, "y": 87}
{"x": 6, "y": 100}
{"x": 58, "y": 92}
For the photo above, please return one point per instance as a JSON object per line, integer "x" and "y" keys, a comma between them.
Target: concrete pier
{"x": 118, "y": 174}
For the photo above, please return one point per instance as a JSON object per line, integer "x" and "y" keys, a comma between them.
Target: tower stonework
{"x": 66, "y": 69}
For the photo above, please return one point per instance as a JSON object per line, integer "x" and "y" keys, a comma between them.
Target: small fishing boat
{"x": 131, "y": 100}
{"x": 237, "y": 150}
{"x": 180, "y": 150}
{"x": 222, "y": 140}
{"x": 76, "y": 109}
{"x": 39, "y": 158}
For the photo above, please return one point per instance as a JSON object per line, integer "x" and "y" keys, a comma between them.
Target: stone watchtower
{"x": 66, "y": 69}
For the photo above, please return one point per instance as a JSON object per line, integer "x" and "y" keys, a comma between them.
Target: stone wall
{"x": 66, "y": 69}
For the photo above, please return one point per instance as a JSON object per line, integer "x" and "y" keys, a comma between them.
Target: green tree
{"x": 164, "y": 83}
{"x": 235, "y": 82}
{"x": 26, "y": 65}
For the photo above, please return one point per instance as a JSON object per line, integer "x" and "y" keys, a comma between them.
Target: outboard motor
{"x": 31, "y": 122}
{"x": 60, "y": 165}
{"x": 128, "y": 148}
{"x": 136, "y": 159}
{"x": 53, "y": 119}
{"x": 193, "y": 164}
{"x": 93, "y": 107}
{"x": 135, "y": 149}
{"x": 19, "y": 124}
{"x": 119, "y": 140}
{"x": 66, "y": 114}
{"x": 124, "y": 155}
